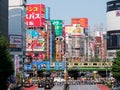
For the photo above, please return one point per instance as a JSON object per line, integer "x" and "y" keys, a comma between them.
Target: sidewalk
{"x": 34, "y": 87}
{"x": 103, "y": 87}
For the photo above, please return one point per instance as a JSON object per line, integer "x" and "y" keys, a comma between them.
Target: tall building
{"x": 4, "y": 17}
{"x": 113, "y": 28}
{"x": 16, "y": 30}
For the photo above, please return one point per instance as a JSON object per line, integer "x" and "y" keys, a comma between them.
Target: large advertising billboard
{"x": 75, "y": 29}
{"x": 35, "y": 15}
{"x": 57, "y": 24}
{"x": 82, "y": 21}
{"x": 35, "y": 40}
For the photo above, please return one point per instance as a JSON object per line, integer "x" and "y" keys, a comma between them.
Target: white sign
{"x": 16, "y": 40}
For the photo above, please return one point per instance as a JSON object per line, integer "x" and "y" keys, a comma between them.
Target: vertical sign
{"x": 63, "y": 65}
{"x": 57, "y": 65}
{"x": 57, "y": 27}
{"x": 16, "y": 63}
{"x": 51, "y": 46}
{"x": 47, "y": 65}
{"x": 47, "y": 13}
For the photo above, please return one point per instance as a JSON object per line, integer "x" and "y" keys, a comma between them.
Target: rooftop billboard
{"x": 35, "y": 15}
{"x": 82, "y": 21}
{"x": 74, "y": 29}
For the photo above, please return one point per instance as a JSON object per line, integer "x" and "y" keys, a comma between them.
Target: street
{"x": 72, "y": 87}
{"x": 83, "y": 87}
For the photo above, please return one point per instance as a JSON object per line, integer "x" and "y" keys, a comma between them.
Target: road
{"x": 83, "y": 87}
{"x": 58, "y": 87}
{"x": 72, "y": 87}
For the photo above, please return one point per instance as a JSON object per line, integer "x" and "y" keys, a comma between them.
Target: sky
{"x": 94, "y": 10}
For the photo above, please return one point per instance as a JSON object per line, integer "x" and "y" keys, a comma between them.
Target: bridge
{"x": 87, "y": 66}
{"x": 79, "y": 66}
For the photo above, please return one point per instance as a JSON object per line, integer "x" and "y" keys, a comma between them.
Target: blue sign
{"x": 34, "y": 63}
{"x": 40, "y": 63}
{"x": 47, "y": 65}
{"x": 57, "y": 65}
{"x": 63, "y": 65}
{"x": 39, "y": 67}
{"x": 28, "y": 67}
{"x": 25, "y": 67}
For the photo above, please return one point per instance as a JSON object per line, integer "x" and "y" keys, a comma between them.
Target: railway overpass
{"x": 59, "y": 66}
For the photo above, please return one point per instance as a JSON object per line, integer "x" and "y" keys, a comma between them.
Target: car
{"x": 41, "y": 84}
{"x": 116, "y": 88}
{"x": 34, "y": 80}
{"x": 27, "y": 84}
{"x": 47, "y": 85}
{"x": 59, "y": 79}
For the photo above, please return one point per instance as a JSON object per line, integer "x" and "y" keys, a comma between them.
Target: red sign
{"x": 35, "y": 15}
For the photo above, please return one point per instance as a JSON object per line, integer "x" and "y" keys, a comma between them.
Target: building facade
{"x": 4, "y": 17}
{"x": 113, "y": 28}
{"x": 16, "y": 31}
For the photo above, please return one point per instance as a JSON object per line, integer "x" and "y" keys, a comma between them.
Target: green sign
{"x": 57, "y": 27}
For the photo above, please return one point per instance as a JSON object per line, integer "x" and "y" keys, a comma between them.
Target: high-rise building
{"x": 4, "y": 17}
{"x": 113, "y": 28}
{"x": 16, "y": 29}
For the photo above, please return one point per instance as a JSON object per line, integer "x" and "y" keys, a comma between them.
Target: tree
{"x": 6, "y": 64}
{"x": 116, "y": 66}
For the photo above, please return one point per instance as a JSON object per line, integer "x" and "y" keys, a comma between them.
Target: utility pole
{"x": 66, "y": 73}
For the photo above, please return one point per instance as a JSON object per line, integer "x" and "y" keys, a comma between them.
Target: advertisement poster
{"x": 15, "y": 41}
{"x": 35, "y": 56}
{"x": 74, "y": 29}
{"x": 35, "y": 15}
{"x": 16, "y": 63}
{"x": 35, "y": 40}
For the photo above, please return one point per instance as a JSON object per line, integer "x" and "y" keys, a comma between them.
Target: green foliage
{"x": 108, "y": 84}
{"x": 19, "y": 78}
{"x": 116, "y": 66}
{"x": 6, "y": 64}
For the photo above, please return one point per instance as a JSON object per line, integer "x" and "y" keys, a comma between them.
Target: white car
{"x": 59, "y": 79}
